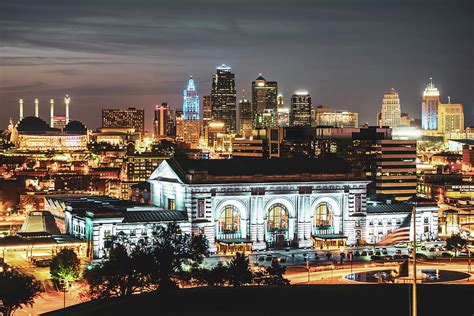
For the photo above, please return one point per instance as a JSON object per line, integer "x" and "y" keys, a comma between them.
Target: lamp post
{"x": 307, "y": 267}
{"x": 414, "y": 302}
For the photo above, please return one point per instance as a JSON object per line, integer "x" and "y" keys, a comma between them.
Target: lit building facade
{"x": 223, "y": 98}
{"x": 34, "y": 134}
{"x": 227, "y": 203}
{"x": 245, "y": 117}
{"x": 429, "y": 107}
{"x": 124, "y": 118}
{"x": 264, "y": 101}
{"x": 300, "y": 113}
{"x": 206, "y": 109}
{"x": 451, "y": 118}
{"x": 391, "y": 111}
{"x": 191, "y": 106}
{"x": 335, "y": 118}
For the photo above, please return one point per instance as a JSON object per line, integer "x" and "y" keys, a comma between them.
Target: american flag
{"x": 400, "y": 234}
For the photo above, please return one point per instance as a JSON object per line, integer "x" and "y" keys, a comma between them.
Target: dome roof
{"x": 32, "y": 124}
{"x": 75, "y": 127}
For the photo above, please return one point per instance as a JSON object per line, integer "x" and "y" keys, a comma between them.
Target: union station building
{"x": 246, "y": 205}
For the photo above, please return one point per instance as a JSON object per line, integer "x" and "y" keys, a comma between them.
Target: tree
{"x": 275, "y": 274}
{"x": 16, "y": 289}
{"x": 172, "y": 250}
{"x": 239, "y": 270}
{"x": 65, "y": 266}
{"x": 126, "y": 272}
{"x": 456, "y": 243}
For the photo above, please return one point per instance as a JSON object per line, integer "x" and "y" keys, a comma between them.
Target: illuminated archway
{"x": 229, "y": 223}
{"x": 278, "y": 223}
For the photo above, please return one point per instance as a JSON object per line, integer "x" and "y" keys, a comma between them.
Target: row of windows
{"x": 278, "y": 218}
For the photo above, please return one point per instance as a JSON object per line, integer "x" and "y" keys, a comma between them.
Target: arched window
{"x": 229, "y": 220}
{"x": 323, "y": 215}
{"x": 277, "y": 218}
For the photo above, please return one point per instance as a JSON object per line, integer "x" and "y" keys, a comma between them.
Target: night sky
{"x": 118, "y": 53}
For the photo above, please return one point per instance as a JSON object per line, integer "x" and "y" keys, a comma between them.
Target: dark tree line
{"x": 167, "y": 260}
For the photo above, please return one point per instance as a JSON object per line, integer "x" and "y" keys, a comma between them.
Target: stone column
{"x": 260, "y": 227}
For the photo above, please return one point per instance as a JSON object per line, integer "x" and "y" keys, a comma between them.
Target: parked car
{"x": 371, "y": 253}
{"x": 357, "y": 253}
{"x": 384, "y": 251}
{"x": 446, "y": 255}
{"x": 364, "y": 253}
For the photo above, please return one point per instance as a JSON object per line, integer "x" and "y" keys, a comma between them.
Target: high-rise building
{"x": 394, "y": 168}
{"x": 264, "y": 100}
{"x": 191, "y": 106}
{"x": 223, "y": 98}
{"x": 179, "y": 124}
{"x": 245, "y": 117}
{"x": 124, "y": 118}
{"x": 335, "y": 118}
{"x": 300, "y": 114}
{"x": 283, "y": 113}
{"x": 451, "y": 118}
{"x": 391, "y": 111}
{"x": 161, "y": 120}
{"x": 206, "y": 109}
{"x": 429, "y": 107}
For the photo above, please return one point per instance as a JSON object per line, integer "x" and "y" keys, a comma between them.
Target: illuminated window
{"x": 171, "y": 204}
{"x": 229, "y": 220}
{"x": 323, "y": 215}
{"x": 277, "y": 218}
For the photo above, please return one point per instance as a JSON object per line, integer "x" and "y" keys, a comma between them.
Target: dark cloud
{"x": 345, "y": 52}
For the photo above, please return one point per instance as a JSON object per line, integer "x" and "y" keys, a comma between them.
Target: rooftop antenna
{"x": 431, "y": 82}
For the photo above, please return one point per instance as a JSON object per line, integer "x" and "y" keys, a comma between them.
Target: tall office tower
{"x": 300, "y": 113}
{"x": 223, "y": 98}
{"x": 124, "y": 118}
{"x": 391, "y": 112}
{"x": 191, "y": 101}
{"x": 264, "y": 100}
{"x": 429, "y": 107}
{"x": 283, "y": 113}
{"x": 179, "y": 124}
{"x": 394, "y": 168}
{"x": 450, "y": 117}
{"x": 161, "y": 121}
{"x": 206, "y": 109}
{"x": 245, "y": 117}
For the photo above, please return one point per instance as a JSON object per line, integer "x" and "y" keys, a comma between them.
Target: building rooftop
{"x": 389, "y": 208}
{"x": 262, "y": 170}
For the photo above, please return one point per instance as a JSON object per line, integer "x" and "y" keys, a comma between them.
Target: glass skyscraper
{"x": 223, "y": 98}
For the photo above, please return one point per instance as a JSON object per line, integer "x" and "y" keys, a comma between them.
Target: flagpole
{"x": 414, "y": 302}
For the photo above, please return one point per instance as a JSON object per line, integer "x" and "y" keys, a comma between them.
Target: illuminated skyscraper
{"x": 451, "y": 117}
{"x": 124, "y": 118}
{"x": 245, "y": 117}
{"x": 429, "y": 107}
{"x": 300, "y": 114}
{"x": 223, "y": 98}
{"x": 190, "y": 101}
{"x": 264, "y": 101}
{"x": 161, "y": 121}
{"x": 391, "y": 112}
{"x": 206, "y": 109}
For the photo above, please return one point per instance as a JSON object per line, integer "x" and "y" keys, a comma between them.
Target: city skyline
{"x": 339, "y": 67}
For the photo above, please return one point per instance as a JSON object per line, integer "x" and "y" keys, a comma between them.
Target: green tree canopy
{"x": 456, "y": 243}
{"x": 65, "y": 266}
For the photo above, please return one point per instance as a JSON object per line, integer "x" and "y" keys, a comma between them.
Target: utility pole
{"x": 414, "y": 302}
